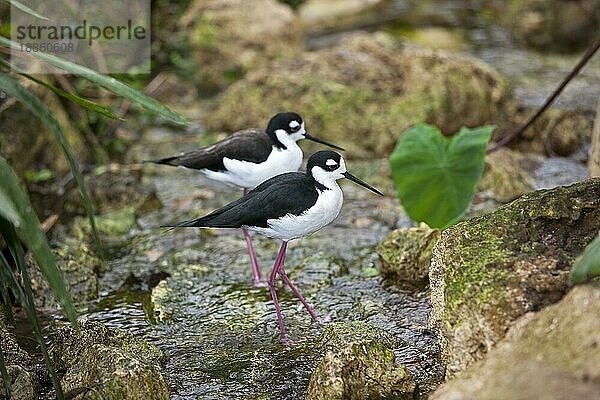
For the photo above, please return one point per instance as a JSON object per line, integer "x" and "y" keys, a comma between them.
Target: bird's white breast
{"x": 323, "y": 212}
{"x": 246, "y": 174}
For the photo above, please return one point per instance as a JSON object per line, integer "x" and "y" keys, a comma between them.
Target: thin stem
{"x": 584, "y": 60}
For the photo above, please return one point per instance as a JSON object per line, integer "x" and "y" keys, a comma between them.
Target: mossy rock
{"x": 320, "y": 16}
{"x": 108, "y": 364}
{"x": 358, "y": 363}
{"x": 553, "y": 354}
{"x": 553, "y": 24}
{"x": 506, "y": 175}
{"x": 488, "y": 271}
{"x": 365, "y": 91}
{"x": 229, "y": 37}
{"x": 406, "y": 254}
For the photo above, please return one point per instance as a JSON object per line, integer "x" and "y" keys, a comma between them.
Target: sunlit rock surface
{"x": 488, "y": 271}
{"x": 366, "y": 91}
{"x": 553, "y": 354}
{"x": 108, "y": 364}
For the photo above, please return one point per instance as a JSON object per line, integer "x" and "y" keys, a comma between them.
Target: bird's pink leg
{"x": 297, "y": 293}
{"x": 257, "y": 279}
{"x": 272, "y": 276}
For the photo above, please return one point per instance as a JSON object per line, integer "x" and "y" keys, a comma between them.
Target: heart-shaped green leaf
{"x": 436, "y": 176}
{"x": 588, "y": 265}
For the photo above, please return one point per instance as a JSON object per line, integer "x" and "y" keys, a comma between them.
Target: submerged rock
{"x": 358, "y": 363}
{"x": 406, "y": 254}
{"x": 107, "y": 364}
{"x": 553, "y": 354}
{"x": 365, "y": 91}
{"x": 488, "y": 271}
{"x": 228, "y": 37}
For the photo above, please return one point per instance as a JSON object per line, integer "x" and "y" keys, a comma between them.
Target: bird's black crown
{"x": 283, "y": 121}
{"x": 320, "y": 158}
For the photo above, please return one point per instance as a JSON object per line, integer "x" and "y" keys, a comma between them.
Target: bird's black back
{"x": 253, "y": 145}
{"x": 289, "y": 193}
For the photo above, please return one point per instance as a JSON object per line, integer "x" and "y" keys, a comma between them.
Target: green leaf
{"x": 588, "y": 265}
{"x": 69, "y": 96}
{"x": 436, "y": 176}
{"x": 26, "y": 9}
{"x": 20, "y": 215}
{"x": 29, "y": 100}
{"x": 115, "y": 86}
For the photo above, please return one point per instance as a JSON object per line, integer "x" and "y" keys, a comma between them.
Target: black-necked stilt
{"x": 249, "y": 157}
{"x": 286, "y": 207}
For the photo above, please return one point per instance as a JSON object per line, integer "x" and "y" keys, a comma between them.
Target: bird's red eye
{"x": 294, "y": 128}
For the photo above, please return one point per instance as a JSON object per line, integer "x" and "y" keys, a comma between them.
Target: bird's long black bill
{"x": 354, "y": 179}
{"x": 316, "y": 139}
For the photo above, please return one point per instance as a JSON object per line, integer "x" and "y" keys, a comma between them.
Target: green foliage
{"x": 436, "y": 176}
{"x": 16, "y": 213}
{"x": 588, "y": 265}
{"x": 29, "y": 100}
{"x": 19, "y": 226}
{"x": 117, "y": 87}
{"x": 25, "y": 9}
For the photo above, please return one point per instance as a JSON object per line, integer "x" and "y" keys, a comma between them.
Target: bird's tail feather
{"x": 166, "y": 161}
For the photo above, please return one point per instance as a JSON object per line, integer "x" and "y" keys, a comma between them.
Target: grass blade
{"x": 587, "y": 266}
{"x": 5, "y": 378}
{"x": 29, "y": 306}
{"x": 29, "y": 100}
{"x": 112, "y": 84}
{"x": 26, "y": 9}
{"x": 27, "y": 228}
{"x": 6, "y": 303}
{"x": 90, "y": 105}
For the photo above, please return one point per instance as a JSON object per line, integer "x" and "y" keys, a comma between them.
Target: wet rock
{"x": 318, "y": 16}
{"x": 554, "y": 24}
{"x": 506, "y": 175}
{"x": 364, "y": 92}
{"x": 358, "y": 363}
{"x": 228, "y": 37}
{"x": 553, "y": 354}
{"x": 80, "y": 267}
{"x": 406, "y": 254}
{"x": 24, "y": 383}
{"x": 103, "y": 363}
{"x": 488, "y": 271}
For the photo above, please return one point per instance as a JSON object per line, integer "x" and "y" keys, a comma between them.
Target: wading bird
{"x": 249, "y": 157}
{"x": 286, "y": 207}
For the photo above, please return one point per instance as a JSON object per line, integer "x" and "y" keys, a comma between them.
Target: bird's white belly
{"x": 323, "y": 212}
{"x": 247, "y": 174}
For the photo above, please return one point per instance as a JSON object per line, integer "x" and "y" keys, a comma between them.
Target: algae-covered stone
{"x": 553, "y": 354}
{"x": 552, "y": 24}
{"x": 228, "y": 37}
{"x": 103, "y": 363}
{"x": 80, "y": 267}
{"x": 506, "y": 175}
{"x": 406, "y": 253}
{"x": 365, "y": 91}
{"x": 488, "y": 271}
{"x": 358, "y": 363}
{"x": 24, "y": 383}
